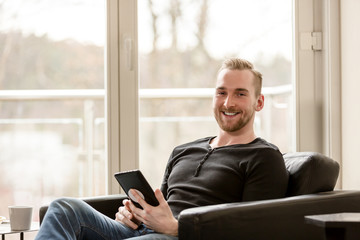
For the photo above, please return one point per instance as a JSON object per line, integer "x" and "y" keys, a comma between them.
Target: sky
{"x": 248, "y": 28}
{"x": 83, "y": 20}
{"x": 242, "y": 26}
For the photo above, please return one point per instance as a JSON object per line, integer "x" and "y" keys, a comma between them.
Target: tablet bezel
{"x": 134, "y": 179}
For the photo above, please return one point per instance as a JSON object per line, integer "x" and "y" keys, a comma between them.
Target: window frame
{"x": 122, "y": 89}
{"x": 316, "y": 80}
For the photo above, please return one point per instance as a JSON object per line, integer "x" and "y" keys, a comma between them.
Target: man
{"x": 231, "y": 167}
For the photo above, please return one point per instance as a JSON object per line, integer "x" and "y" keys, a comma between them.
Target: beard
{"x": 231, "y": 125}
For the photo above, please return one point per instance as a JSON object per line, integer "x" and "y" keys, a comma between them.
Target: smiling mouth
{"x": 230, "y": 113}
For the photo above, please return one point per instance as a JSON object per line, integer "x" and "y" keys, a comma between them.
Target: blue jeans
{"x": 69, "y": 218}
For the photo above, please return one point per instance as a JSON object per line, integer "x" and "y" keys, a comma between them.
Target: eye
{"x": 221, "y": 93}
{"x": 241, "y": 93}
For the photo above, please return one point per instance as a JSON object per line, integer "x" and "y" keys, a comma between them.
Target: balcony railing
{"x": 87, "y": 124}
{"x": 96, "y": 94}
{"x": 89, "y": 95}
{"x": 8, "y": 95}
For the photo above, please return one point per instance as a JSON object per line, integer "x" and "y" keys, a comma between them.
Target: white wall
{"x": 350, "y": 75}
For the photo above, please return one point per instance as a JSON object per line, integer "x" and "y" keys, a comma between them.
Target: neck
{"x": 229, "y": 138}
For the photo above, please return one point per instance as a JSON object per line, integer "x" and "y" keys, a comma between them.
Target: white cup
{"x": 20, "y": 217}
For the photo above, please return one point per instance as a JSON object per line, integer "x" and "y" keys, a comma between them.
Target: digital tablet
{"x": 134, "y": 179}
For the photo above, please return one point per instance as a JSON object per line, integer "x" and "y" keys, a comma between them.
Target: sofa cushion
{"x": 310, "y": 172}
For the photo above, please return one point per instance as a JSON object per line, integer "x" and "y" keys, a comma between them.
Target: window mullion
{"x": 122, "y": 127}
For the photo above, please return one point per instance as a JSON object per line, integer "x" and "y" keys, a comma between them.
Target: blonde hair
{"x": 242, "y": 64}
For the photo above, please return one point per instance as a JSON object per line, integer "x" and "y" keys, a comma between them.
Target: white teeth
{"x": 229, "y": 114}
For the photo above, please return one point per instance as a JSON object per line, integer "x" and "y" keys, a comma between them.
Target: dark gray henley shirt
{"x": 198, "y": 175}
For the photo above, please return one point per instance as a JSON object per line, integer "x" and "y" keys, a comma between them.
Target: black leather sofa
{"x": 312, "y": 178}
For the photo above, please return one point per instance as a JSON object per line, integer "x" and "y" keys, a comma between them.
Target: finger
{"x": 159, "y": 196}
{"x": 125, "y": 212}
{"x": 126, "y": 217}
{"x": 124, "y": 220}
{"x": 125, "y": 201}
{"x": 139, "y": 199}
{"x": 127, "y": 204}
{"x": 131, "y": 206}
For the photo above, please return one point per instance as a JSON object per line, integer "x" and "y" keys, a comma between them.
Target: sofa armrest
{"x": 277, "y": 219}
{"x": 107, "y": 205}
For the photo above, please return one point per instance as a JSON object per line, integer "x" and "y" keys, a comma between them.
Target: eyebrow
{"x": 236, "y": 90}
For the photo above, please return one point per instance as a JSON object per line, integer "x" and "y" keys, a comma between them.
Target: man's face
{"x": 235, "y": 103}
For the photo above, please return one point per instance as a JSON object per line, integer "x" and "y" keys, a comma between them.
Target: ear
{"x": 260, "y": 103}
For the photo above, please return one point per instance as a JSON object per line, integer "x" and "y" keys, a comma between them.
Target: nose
{"x": 229, "y": 102}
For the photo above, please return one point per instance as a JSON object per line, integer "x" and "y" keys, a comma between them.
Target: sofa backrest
{"x": 310, "y": 172}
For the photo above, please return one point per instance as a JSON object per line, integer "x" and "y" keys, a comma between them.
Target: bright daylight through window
{"x": 51, "y": 101}
{"x": 181, "y": 46}
{"x": 52, "y": 91}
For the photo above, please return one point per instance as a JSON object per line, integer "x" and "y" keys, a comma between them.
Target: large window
{"x": 52, "y": 89}
{"x": 52, "y": 137}
{"x": 181, "y": 46}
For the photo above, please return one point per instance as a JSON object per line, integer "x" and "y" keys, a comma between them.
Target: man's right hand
{"x": 125, "y": 216}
